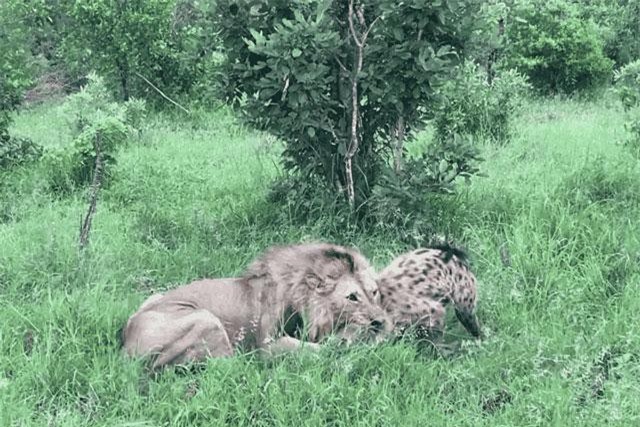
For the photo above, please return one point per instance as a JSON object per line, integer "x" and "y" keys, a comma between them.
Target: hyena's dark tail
{"x": 470, "y": 321}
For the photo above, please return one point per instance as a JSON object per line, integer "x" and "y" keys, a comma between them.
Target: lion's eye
{"x": 353, "y": 297}
{"x": 375, "y": 292}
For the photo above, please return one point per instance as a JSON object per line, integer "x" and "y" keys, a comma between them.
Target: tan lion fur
{"x": 330, "y": 286}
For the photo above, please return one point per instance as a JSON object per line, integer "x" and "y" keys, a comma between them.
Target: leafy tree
{"x": 164, "y": 41}
{"x": 628, "y": 88}
{"x": 15, "y": 77}
{"x": 100, "y": 127}
{"x": 559, "y": 52}
{"x": 342, "y": 83}
{"x": 618, "y": 21}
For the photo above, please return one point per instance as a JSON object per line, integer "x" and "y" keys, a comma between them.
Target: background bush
{"x": 163, "y": 40}
{"x": 618, "y": 24}
{"x": 555, "y": 47}
{"x": 469, "y": 105}
{"x": 628, "y": 89}
{"x": 16, "y": 74}
{"x": 94, "y": 115}
{"x": 291, "y": 68}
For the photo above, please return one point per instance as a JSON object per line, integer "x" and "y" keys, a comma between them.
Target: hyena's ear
{"x": 318, "y": 284}
{"x": 345, "y": 257}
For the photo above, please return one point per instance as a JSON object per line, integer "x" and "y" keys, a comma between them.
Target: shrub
{"x": 628, "y": 88}
{"x": 168, "y": 42}
{"x": 470, "y": 106}
{"x": 94, "y": 117}
{"x": 549, "y": 42}
{"x": 14, "y": 61}
{"x": 15, "y": 77}
{"x": 416, "y": 196}
{"x": 15, "y": 151}
{"x": 618, "y": 23}
{"x": 296, "y": 70}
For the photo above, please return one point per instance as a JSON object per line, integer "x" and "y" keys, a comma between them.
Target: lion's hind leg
{"x": 177, "y": 337}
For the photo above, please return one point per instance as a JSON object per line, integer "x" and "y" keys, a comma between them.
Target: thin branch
{"x": 351, "y": 27}
{"x": 341, "y": 65}
{"x": 286, "y": 87}
{"x": 96, "y": 184}
{"x": 399, "y": 132}
{"x": 162, "y": 93}
{"x": 366, "y": 33}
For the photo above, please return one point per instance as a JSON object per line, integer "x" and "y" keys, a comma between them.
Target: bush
{"x": 470, "y": 106}
{"x": 15, "y": 74}
{"x": 168, "y": 42}
{"x": 618, "y": 23}
{"x": 549, "y": 42}
{"x": 292, "y": 68}
{"x": 95, "y": 118}
{"x": 628, "y": 88}
{"x": 16, "y": 151}
{"x": 415, "y": 196}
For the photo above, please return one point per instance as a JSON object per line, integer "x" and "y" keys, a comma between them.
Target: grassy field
{"x": 553, "y": 232}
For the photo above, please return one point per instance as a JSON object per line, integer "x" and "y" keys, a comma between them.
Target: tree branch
{"x": 162, "y": 93}
{"x": 96, "y": 184}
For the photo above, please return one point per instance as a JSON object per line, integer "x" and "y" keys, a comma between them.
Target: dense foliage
{"x": 555, "y": 47}
{"x": 15, "y": 77}
{"x": 98, "y": 124}
{"x": 470, "y": 105}
{"x": 162, "y": 40}
{"x": 337, "y": 85}
{"x": 618, "y": 26}
{"x": 168, "y": 42}
{"x": 628, "y": 88}
{"x": 345, "y": 91}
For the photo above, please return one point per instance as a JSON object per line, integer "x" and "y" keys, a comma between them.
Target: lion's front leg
{"x": 287, "y": 344}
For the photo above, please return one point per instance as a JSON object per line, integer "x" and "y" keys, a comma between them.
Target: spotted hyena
{"x": 417, "y": 286}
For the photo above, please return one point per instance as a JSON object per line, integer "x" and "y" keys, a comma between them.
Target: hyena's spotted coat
{"x": 416, "y": 287}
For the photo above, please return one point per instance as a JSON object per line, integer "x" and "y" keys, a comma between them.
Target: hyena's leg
{"x": 431, "y": 325}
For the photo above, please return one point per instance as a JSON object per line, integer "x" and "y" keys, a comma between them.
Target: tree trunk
{"x": 123, "y": 73}
{"x": 398, "y": 149}
{"x": 493, "y": 55}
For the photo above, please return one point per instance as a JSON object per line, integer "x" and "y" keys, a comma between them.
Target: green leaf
{"x": 296, "y": 53}
{"x": 443, "y": 166}
{"x": 311, "y": 132}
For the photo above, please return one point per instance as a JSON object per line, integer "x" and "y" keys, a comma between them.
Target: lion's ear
{"x": 317, "y": 284}
{"x": 344, "y": 257}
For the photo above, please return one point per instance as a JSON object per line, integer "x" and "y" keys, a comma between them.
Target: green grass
{"x": 560, "y": 304}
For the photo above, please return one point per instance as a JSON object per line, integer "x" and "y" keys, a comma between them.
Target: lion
{"x": 331, "y": 287}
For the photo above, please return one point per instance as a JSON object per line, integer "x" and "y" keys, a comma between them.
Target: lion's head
{"x": 332, "y": 286}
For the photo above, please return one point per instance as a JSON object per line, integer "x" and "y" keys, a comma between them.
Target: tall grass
{"x": 552, "y": 229}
